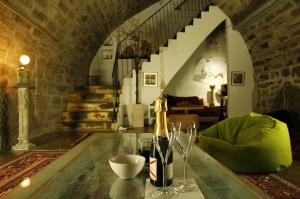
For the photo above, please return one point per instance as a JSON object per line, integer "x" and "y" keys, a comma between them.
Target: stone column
{"x": 138, "y": 115}
{"x": 23, "y": 107}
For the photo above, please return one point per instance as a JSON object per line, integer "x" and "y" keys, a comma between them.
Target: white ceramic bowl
{"x": 127, "y": 166}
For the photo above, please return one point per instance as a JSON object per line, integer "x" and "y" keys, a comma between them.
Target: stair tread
{"x": 94, "y": 91}
{"x": 86, "y": 121}
{"x": 103, "y": 110}
{"x": 93, "y": 86}
{"x": 95, "y": 130}
{"x": 87, "y": 111}
{"x": 89, "y": 108}
{"x": 90, "y": 88}
{"x": 86, "y": 93}
{"x": 92, "y": 103}
{"x": 84, "y": 125}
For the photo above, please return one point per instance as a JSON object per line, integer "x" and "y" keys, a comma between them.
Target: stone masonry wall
{"x": 233, "y": 7}
{"x": 79, "y": 27}
{"x": 60, "y": 58}
{"x": 274, "y": 43}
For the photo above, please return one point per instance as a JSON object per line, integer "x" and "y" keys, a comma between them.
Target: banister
{"x": 153, "y": 33}
{"x": 145, "y": 21}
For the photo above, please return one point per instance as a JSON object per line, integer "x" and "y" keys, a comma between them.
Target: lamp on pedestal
{"x": 212, "y": 88}
{"x": 23, "y": 79}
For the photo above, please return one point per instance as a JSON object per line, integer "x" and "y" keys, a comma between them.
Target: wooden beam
{"x": 6, "y": 4}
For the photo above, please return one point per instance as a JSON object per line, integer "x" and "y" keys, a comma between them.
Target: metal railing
{"x": 152, "y": 34}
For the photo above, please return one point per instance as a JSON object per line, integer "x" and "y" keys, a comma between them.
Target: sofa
{"x": 251, "y": 143}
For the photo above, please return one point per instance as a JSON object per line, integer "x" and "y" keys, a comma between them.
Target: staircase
{"x": 178, "y": 51}
{"x": 89, "y": 108}
{"x": 162, "y": 29}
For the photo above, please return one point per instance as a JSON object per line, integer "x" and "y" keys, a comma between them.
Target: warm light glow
{"x": 24, "y": 59}
{"x": 25, "y": 182}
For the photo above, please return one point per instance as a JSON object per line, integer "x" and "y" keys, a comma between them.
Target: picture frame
{"x": 237, "y": 78}
{"x": 150, "y": 79}
{"x": 107, "y": 53}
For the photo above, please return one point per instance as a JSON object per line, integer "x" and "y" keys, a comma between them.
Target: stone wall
{"x": 233, "y": 7}
{"x": 274, "y": 43}
{"x": 61, "y": 37}
{"x": 67, "y": 33}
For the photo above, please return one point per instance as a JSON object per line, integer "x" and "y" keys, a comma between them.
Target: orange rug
{"x": 274, "y": 186}
{"x": 13, "y": 172}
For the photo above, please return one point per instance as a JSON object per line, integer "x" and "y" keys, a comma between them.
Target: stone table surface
{"x": 84, "y": 172}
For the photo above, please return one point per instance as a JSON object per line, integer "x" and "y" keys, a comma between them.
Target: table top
{"x": 84, "y": 172}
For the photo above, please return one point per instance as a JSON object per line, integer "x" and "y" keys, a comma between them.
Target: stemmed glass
{"x": 164, "y": 153}
{"x": 184, "y": 142}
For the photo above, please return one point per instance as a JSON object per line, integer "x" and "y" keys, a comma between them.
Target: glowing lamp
{"x": 23, "y": 75}
{"x": 24, "y": 60}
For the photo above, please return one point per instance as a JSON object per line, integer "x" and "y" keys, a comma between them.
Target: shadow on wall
{"x": 4, "y": 132}
{"x": 8, "y": 108}
{"x": 289, "y": 113}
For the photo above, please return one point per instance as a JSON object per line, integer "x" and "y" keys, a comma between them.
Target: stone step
{"x": 90, "y": 97}
{"x": 78, "y": 116}
{"x": 83, "y": 126}
{"x": 89, "y": 106}
{"x": 94, "y": 89}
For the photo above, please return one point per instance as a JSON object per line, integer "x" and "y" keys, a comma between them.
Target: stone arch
{"x": 272, "y": 38}
{"x": 61, "y": 37}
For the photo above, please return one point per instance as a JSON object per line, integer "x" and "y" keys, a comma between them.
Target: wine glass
{"x": 184, "y": 142}
{"x": 164, "y": 146}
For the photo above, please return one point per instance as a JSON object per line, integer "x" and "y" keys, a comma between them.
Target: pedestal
{"x": 23, "y": 106}
{"x": 138, "y": 115}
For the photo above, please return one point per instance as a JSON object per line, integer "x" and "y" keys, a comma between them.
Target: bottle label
{"x": 153, "y": 168}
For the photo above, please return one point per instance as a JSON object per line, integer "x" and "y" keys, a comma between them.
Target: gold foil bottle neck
{"x": 161, "y": 105}
{"x": 161, "y": 117}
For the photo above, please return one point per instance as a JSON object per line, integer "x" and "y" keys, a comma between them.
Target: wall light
{"x": 24, "y": 60}
{"x": 23, "y": 73}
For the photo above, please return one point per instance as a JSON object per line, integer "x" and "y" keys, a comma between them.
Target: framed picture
{"x": 237, "y": 78}
{"x": 150, "y": 79}
{"x": 107, "y": 54}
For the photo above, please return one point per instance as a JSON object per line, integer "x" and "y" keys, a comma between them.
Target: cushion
{"x": 252, "y": 143}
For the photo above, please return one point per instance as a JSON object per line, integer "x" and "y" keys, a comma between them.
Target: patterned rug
{"x": 274, "y": 186}
{"x": 15, "y": 171}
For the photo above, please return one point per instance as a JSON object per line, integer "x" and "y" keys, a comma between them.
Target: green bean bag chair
{"x": 252, "y": 143}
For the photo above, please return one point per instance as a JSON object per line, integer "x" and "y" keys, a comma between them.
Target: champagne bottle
{"x": 161, "y": 130}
